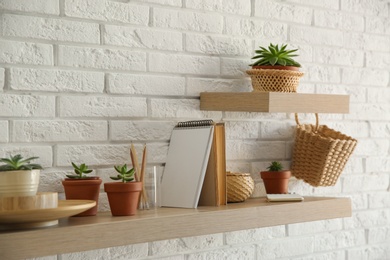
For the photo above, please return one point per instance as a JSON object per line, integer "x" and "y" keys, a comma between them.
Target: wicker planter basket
{"x": 271, "y": 80}
{"x": 239, "y": 186}
{"x": 320, "y": 153}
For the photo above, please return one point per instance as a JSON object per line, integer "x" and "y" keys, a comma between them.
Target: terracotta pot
{"x": 276, "y": 182}
{"x": 275, "y": 67}
{"x": 83, "y": 189}
{"x": 19, "y": 183}
{"x": 123, "y": 197}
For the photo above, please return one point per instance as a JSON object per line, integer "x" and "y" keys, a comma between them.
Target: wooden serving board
{"x": 43, "y": 200}
{"x": 43, "y": 217}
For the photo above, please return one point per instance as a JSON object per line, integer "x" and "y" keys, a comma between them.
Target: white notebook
{"x": 184, "y": 172}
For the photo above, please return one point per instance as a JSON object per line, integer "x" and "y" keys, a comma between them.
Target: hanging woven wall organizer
{"x": 320, "y": 153}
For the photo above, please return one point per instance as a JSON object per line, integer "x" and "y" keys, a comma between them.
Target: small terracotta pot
{"x": 123, "y": 197}
{"x": 276, "y": 182}
{"x": 275, "y": 67}
{"x": 83, "y": 189}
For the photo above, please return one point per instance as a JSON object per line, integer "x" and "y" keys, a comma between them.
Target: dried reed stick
{"x": 134, "y": 160}
{"x": 144, "y": 195}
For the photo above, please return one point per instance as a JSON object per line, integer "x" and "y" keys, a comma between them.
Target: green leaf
{"x": 258, "y": 56}
{"x": 74, "y": 165}
{"x": 264, "y": 49}
{"x": 273, "y": 60}
{"x": 273, "y": 51}
{"x": 117, "y": 169}
{"x": 282, "y": 62}
{"x": 129, "y": 179}
{"x": 27, "y": 160}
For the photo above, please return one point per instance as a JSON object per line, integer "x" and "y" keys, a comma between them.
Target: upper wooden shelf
{"x": 274, "y": 102}
{"x": 87, "y": 233}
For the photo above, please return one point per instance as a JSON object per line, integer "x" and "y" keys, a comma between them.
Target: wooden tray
{"x": 43, "y": 217}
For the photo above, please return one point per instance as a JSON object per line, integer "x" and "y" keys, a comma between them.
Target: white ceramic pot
{"x": 19, "y": 183}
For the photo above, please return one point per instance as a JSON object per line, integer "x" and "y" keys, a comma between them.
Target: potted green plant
{"x": 275, "y": 69}
{"x": 79, "y": 186}
{"x": 275, "y": 58}
{"x": 276, "y": 179}
{"x": 123, "y": 196}
{"x": 19, "y": 177}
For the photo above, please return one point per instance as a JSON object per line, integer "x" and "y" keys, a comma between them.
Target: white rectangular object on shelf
{"x": 188, "y": 155}
{"x": 284, "y": 197}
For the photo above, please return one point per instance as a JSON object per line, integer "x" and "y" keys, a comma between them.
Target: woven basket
{"x": 239, "y": 186}
{"x": 320, "y": 153}
{"x": 271, "y": 80}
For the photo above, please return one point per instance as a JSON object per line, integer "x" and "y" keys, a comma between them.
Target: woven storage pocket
{"x": 239, "y": 186}
{"x": 270, "y": 80}
{"x": 320, "y": 153}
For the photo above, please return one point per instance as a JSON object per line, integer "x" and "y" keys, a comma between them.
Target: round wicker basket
{"x": 271, "y": 80}
{"x": 239, "y": 186}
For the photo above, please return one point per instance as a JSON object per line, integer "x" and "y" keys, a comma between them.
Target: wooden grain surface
{"x": 87, "y": 233}
{"x": 43, "y": 200}
{"x": 274, "y": 102}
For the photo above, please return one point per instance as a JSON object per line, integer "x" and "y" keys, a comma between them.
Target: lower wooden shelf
{"x": 274, "y": 102}
{"x": 87, "y": 233}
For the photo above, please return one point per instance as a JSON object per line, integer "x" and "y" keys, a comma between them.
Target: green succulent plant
{"x": 17, "y": 163}
{"x": 80, "y": 171}
{"x": 125, "y": 175}
{"x": 275, "y": 167}
{"x": 275, "y": 56}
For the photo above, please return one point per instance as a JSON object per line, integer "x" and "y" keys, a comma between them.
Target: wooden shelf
{"x": 87, "y": 233}
{"x": 274, "y": 102}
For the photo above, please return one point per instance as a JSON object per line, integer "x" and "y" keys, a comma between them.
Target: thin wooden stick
{"x": 134, "y": 159}
{"x": 144, "y": 196}
{"x": 143, "y": 164}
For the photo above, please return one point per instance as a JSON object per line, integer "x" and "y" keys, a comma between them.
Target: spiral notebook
{"x": 186, "y": 164}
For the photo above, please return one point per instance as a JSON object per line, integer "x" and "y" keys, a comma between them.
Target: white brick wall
{"x": 50, "y": 29}
{"x": 30, "y": 79}
{"x": 34, "y": 6}
{"x": 82, "y": 79}
{"x": 142, "y": 38}
{"x": 26, "y": 53}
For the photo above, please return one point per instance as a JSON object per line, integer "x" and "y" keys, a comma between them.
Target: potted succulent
{"x": 123, "y": 196}
{"x": 19, "y": 177}
{"x": 82, "y": 187}
{"x": 275, "y": 179}
{"x": 275, "y": 58}
{"x": 275, "y": 70}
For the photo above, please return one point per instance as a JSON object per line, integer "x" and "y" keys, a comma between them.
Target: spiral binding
{"x": 196, "y": 123}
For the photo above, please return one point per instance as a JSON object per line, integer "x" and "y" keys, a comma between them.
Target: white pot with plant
{"x": 19, "y": 177}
